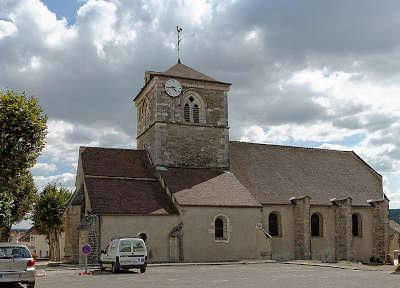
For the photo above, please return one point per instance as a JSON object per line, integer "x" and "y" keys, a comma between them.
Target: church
{"x": 196, "y": 196}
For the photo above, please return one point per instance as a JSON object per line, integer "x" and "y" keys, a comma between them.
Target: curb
{"x": 77, "y": 267}
{"x": 333, "y": 266}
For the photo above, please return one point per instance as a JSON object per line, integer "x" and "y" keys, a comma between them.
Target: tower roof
{"x": 180, "y": 70}
{"x": 183, "y": 71}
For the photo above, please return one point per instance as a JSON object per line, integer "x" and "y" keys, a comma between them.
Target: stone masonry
{"x": 343, "y": 229}
{"x": 380, "y": 229}
{"x": 171, "y": 141}
{"x": 302, "y": 227}
{"x": 72, "y": 222}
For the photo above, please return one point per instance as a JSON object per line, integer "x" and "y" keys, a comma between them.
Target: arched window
{"x": 219, "y": 228}
{"x": 356, "y": 225}
{"x": 186, "y": 112}
{"x": 274, "y": 224}
{"x": 193, "y": 108}
{"x": 145, "y": 115}
{"x": 316, "y": 225}
{"x": 196, "y": 113}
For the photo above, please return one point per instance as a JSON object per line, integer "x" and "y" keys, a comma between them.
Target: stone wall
{"x": 186, "y": 145}
{"x": 380, "y": 229}
{"x": 93, "y": 238}
{"x": 302, "y": 227}
{"x": 173, "y": 142}
{"x": 71, "y": 225}
{"x": 343, "y": 229}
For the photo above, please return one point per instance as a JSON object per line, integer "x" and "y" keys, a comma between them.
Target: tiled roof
{"x": 116, "y": 162}
{"x": 183, "y": 71}
{"x": 274, "y": 173}
{"x": 118, "y": 196}
{"x": 207, "y": 187}
{"x": 122, "y": 181}
{"x": 78, "y": 196}
{"x": 394, "y": 226}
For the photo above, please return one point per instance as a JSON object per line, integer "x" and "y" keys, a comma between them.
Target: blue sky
{"x": 306, "y": 73}
{"x": 66, "y": 9}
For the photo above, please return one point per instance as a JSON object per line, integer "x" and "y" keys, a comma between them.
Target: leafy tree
{"x": 16, "y": 200}
{"x": 5, "y": 212}
{"x": 22, "y": 133}
{"x": 48, "y": 215}
{"x": 22, "y": 137}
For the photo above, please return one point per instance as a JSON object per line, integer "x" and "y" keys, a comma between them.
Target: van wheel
{"x": 115, "y": 267}
{"x": 30, "y": 285}
{"x": 142, "y": 269}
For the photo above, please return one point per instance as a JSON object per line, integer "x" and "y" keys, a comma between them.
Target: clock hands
{"x": 172, "y": 88}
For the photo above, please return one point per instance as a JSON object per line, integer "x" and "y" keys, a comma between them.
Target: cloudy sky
{"x": 304, "y": 73}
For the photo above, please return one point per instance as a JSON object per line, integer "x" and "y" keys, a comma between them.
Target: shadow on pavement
{"x": 99, "y": 272}
{"x": 9, "y": 285}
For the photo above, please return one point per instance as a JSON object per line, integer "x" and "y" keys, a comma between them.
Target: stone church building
{"x": 196, "y": 196}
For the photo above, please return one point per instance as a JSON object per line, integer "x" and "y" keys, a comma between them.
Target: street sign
{"x": 86, "y": 249}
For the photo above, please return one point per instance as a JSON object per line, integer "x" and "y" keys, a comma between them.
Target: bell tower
{"x": 182, "y": 119}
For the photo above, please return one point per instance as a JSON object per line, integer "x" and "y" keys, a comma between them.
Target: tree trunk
{"x": 5, "y": 234}
{"x": 51, "y": 252}
{"x": 57, "y": 246}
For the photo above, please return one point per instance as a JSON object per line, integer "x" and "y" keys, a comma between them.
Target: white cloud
{"x": 67, "y": 180}
{"x": 7, "y": 28}
{"x": 44, "y": 168}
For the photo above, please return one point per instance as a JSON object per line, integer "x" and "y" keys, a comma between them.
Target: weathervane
{"x": 179, "y": 30}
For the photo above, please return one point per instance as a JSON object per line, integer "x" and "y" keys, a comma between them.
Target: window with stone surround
{"x": 221, "y": 233}
{"x": 186, "y": 112}
{"x": 274, "y": 224}
{"x": 316, "y": 225}
{"x": 144, "y": 120}
{"x": 193, "y": 108}
{"x": 356, "y": 225}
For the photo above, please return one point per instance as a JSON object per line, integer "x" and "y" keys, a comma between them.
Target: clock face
{"x": 173, "y": 87}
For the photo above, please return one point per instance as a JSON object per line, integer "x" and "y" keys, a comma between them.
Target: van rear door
{"x": 139, "y": 252}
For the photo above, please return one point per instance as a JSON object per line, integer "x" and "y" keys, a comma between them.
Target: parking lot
{"x": 238, "y": 275}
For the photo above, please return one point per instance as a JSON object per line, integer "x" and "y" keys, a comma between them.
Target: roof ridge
{"x": 293, "y": 147}
{"x": 112, "y": 148}
{"x": 174, "y": 71}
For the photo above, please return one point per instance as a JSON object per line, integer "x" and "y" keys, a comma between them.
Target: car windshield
{"x": 14, "y": 252}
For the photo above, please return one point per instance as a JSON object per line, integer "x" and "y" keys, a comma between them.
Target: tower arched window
{"x": 274, "y": 224}
{"x": 186, "y": 112}
{"x": 145, "y": 114}
{"x": 316, "y": 225}
{"x": 196, "y": 116}
{"x": 193, "y": 108}
{"x": 356, "y": 225}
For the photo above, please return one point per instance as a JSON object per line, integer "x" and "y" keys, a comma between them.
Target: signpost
{"x": 86, "y": 249}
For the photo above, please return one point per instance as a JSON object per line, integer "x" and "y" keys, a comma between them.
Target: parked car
{"x": 16, "y": 264}
{"x": 123, "y": 254}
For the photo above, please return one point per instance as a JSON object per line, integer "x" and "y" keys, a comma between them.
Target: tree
{"x": 22, "y": 133}
{"x": 22, "y": 137}
{"x": 48, "y": 215}
{"x": 16, "y": 200}
{"x": 5, "y": 212}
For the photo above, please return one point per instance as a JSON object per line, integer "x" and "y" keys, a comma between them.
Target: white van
{"x": 123, "y": 254}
